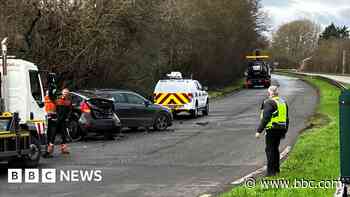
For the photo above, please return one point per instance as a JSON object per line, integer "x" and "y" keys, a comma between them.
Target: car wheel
{"x": 73, "y": 131}
{"x": 32, "y": 159}
{"x": 194, "y": 112}
{"x": 161, "y": 122}
{"x": 206, "y": 110}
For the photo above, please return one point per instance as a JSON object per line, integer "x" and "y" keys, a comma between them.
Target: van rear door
{"x": 174, "y": 93}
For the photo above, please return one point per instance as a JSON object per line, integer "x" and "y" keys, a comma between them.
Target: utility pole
{"x": 344, "y": 61}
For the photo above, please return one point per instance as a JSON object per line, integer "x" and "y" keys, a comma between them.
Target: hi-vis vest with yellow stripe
{"x": 279, "y": 117}
{"x": 172, "y": 98}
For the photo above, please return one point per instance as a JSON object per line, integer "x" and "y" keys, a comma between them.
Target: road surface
{"x": 192, "y": 158}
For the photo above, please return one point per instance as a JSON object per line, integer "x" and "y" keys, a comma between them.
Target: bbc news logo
{"x": 52, "y": 176}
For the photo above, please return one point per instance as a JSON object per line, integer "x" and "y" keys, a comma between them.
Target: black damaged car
{"x": 136, "y": 111}
{"x": 92, "y": 113}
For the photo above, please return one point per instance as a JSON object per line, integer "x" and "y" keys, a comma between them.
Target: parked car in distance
{"x": 92, "y": 113}
{"x": 136, "y": 111}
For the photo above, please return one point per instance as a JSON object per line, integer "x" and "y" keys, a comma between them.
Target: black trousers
{"x": 51, "y": 131}
{"x": 273, "y": 140}
{"x": 54, "y": 127}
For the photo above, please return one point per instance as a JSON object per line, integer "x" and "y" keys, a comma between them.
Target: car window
{"x": 199, "y": 86}
{"x": 119, "y": 98}
{"x": 76, "y": 100}
{"x": 35, "y": 85}
{"x": 133, "y": 99}
{"x": 173, "y": 86}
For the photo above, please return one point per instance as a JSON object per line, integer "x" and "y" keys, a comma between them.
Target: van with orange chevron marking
{"x": 182, "y": 95}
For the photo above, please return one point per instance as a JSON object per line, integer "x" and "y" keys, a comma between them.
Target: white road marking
{"x": 205, "y": 195}
{"x": 260, "y": 170}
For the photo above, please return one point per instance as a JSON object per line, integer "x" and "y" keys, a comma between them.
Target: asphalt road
{"x": 192, "y": 158}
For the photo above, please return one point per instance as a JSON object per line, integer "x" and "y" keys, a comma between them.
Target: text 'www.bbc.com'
{"x": 252, "y": 183}
{"x": 32, "y": 175}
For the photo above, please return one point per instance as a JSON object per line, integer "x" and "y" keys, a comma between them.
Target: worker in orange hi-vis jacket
{"x": 50, "y": 109}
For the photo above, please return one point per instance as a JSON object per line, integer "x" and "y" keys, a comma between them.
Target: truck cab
{"x": 25, "y": 91}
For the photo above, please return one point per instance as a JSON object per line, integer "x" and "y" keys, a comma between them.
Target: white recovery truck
{"x": 22, "y": 114}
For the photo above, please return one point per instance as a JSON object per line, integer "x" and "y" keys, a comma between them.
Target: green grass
{"x": 315, "y": 156}
{"x": 219, "y": 92}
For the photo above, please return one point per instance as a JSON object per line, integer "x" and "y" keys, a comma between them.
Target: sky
{"x": 323, "y": 12}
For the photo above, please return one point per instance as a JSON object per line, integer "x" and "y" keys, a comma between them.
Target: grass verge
{"x": 314, "y": 158}
{"x": 219, "y": 92}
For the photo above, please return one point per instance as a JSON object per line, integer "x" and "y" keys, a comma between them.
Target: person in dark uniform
{"x": 275, "y": 121}
{"x": 63, "y": 109}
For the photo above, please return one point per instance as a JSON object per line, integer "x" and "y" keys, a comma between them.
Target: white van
{"x": 182, "y": 95}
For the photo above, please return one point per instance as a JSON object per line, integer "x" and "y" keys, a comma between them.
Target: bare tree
{"x": 118, "y": 43}
{"x": 295, "y": 41}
